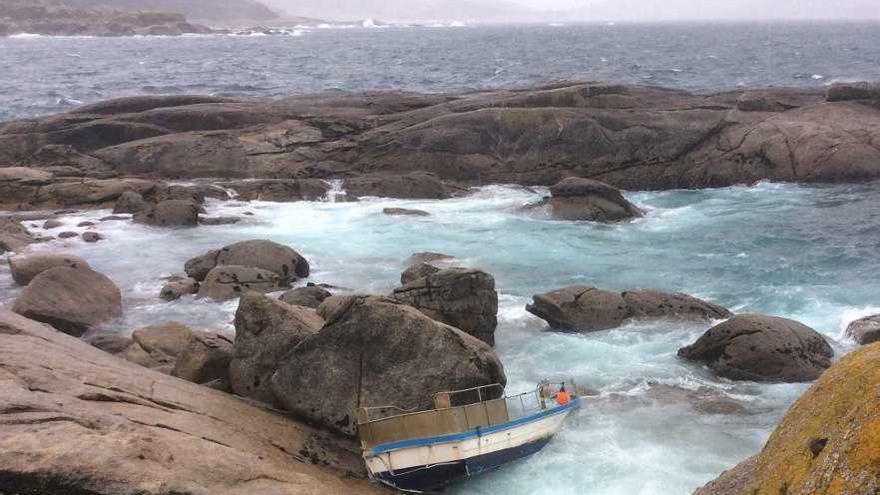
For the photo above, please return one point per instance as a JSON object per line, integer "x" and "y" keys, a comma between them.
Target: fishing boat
{"x": 468, "y": 432}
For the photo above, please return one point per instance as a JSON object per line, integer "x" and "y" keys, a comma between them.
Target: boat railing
{"x": 454, "y": 412}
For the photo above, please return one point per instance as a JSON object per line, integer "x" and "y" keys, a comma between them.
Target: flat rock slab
{"x": 144, "y": 432}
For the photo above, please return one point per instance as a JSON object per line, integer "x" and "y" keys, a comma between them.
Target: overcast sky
{"x": 579, "y": 10}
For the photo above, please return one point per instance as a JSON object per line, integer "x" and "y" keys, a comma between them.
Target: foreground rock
{"x": 144, "y": 432}
{"x": 230, "y": 281}
{"x": 389, "y": 143}
{"x": 375, "y": 351}
{"x": 70, "y": 299}
{"x": 865, "y": 330}
{"x": 826, "y": 443}
{"x": 581, "y": 308}
{"x": 25, "y": 267}
{"x": 462, "y": 297}
{"x": 265, "y": 331}
{"x": 281, "y": 260}
{"x": 762, "y": 348}
{"x": 158, "y": 346}
{"x": 588, "y": 200}
{"x": 205, "y": 359}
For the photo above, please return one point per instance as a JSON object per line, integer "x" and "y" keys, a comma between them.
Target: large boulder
{"x": 827, "y": 443}
{"x": 282, "y": 260}
{"x": 580, "y": 308}
{"x": 462, "y": 297}
{"x": 25, "y": 267}
{"x": 70, "y": 299}
{"x": 265, "y": 330}
{"x": 655, "y": 304}
{"x": 865, "y": 330}
{"x": 204, "y": 359}
{"x": 374, "y": 352}
{"x": 77, "y": 420}
{"x": 158, "y": 346}
{"x": 310, "y": 296}
{"x": 762, "y": 348}
{"x": 574, "y": 198}
{"x": 169, "y": 213}
{"x": 13, "y": 235}
{"x": 231, "y": 281}
{"x": 129, "y": 202}
{"x": 584, "y": 309}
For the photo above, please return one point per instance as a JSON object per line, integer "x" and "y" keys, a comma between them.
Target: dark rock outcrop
{"x": 376, "y": 351}
{"x": 265, "y": 331}
{"x": 310, "y": 296}
{"x": 762, "y": 348}
{"x": 169, "y": 213}
{"x": 415, "y": 185}
{"x": 581, "y": 308}
{"x": 70, "y": 299}
{"x": 405, "y": 212}
{"x": 129, "y": 202}
{"x": 230, "y": 281}
{"x": 462, "y": 297}
{"x": 587, "y": 200}
{"x": 267, "y": 255}
{"x": 25, "y": 267}
{"x": 865, "y": 330}
{"x": 117, "y": 428}
{"x": 91, "y": 237}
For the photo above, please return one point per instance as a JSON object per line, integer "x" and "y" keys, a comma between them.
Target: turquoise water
{"x": 803, "y": 252}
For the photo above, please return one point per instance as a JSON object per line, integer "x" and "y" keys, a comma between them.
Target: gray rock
{"x": 762, "y": 348}
{"x": 110, "y": 342}
{"x": 70, "y": 299}
{"x": 416, "y": 272}
{"x": 158, "y": 347}
{"x": 462, "y": 297}
{"x": 427, "y": 257}
{"x": 218, "y": 220}
{"x": 13, "y": 235}
{"x": 265, "y": 331}
{"x": 86, "y": 224}
{"x": 580, "y": 308}
{"x": 91, "y": 237}
{"x": 52, "y": 224}
{"x": 230, "y": 281}
{"x": 204, "y": 359}
{"x": 25, "y": 267}
{"x": 67, "y": 235}
{"x": 654, "y": 304}
{"x": 129, "y": 202}
{"x": 579, "y": 199}
{"x": 309, "y": 297}
{"x": 277, "y": 258}
{"x": 865, "y": 330}
{"x": 175, "y": 289}
{"x": 375, "y": 352}
{"x": 405, "y": 212}
{"x": 170, "y": 213}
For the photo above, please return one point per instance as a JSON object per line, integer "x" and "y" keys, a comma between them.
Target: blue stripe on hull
{"x": 424, "y": 478}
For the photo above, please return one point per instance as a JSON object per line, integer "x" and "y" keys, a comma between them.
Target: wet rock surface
{"x": 462, "y": 297}
{"x": 380, "y": 352}
{"x": 310, "y": 297}
{"x": 230, "y": 281}
{"x": 581, "y": 308}
{"x": 865, "y": 330}
{"x": 281, "y": 260}
{"x": 169, "y": 213}
{"x": 579, "y": 199}
{"x": 762, "y": 348}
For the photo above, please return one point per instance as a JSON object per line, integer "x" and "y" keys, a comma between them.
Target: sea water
{"x": 658, "y": 425}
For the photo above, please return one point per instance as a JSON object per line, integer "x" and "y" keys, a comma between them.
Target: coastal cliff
{"x": 632, "y": 137}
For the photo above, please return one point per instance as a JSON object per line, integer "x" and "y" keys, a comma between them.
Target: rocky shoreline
{"x": 160, "y": 405}
{"x": 631, "y": 137}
